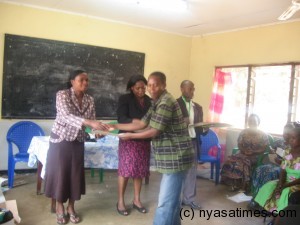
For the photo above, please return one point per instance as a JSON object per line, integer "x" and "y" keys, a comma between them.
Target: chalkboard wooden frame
{"x": 35, "y": 69}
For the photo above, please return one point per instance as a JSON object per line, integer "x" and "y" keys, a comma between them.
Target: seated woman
{"x": 270, "y": 171}
{"x": 274, "y": 195}
{"x": 236, "y": 171}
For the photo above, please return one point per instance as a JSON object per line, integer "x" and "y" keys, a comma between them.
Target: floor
{"x": 98, "y": 206}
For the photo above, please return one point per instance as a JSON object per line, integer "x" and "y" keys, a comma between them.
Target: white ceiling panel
{"x": 201, "y": 16}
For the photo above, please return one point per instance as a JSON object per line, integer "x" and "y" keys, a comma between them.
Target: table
{"x": 102, "y": 154}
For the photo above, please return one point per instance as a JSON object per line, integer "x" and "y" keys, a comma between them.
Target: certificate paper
{"x": 103, "y": 132}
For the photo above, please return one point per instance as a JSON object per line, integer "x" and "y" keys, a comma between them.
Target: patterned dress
{"x": 237, "y": 170}
{"x": 134, "y": 155}
{"x": 267, "y": 199}
{"x": 267, "y": 172}
{"x": 134, "y": 158}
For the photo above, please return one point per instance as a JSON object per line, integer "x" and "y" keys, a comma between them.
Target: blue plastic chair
{"x": 209, "y": 140}
{"x": 20, "y": 134}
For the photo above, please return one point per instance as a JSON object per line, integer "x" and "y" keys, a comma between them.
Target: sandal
{"x": 140, "y": 209}
{"x": 61, "y": 218}
{"x": 122, "y": 212}
{"x": 74, "y": 218}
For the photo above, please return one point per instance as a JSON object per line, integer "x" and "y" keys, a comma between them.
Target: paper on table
{"x": 240, "y": 197}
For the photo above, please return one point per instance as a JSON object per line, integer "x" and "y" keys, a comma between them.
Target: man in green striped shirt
{"x": 172, "y": 147}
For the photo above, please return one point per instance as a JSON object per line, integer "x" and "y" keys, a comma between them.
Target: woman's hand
{"x": 97, "y": 125}
{"x": 277, "y": 192}
{"x": 112, "y": 127}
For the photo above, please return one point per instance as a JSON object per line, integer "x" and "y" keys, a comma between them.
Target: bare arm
{"x": 133, "y": 126}
{"x": 148, "y": 133}
{"x": 282, "y": 177}
{"x": 281, "y": 183}
{"x": 292, "y": 183}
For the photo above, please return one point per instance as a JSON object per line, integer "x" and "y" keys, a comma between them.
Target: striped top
{"x": 173, "y": 149}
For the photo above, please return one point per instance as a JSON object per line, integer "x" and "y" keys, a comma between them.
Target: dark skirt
{"x": 134, "y": 158}
{"x": 64, "y": 177}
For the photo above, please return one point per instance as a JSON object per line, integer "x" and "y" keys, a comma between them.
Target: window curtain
{"x": 221, "y": 80}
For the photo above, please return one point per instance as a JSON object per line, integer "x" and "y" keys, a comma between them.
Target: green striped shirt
{"x": 173, "y": 149}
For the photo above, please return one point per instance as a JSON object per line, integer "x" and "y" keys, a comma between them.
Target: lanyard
{"x": 189, "y": 108}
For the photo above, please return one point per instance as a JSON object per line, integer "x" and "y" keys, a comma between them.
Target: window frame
{"x": 293, "y": 91}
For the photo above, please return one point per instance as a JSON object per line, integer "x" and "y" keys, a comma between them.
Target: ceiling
{"x": 200, "y": 18}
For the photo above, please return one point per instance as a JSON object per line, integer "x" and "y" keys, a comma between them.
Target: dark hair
{"x": 185, "y": 82}
{"x": 133, "y": 80}
{"x": 73, "y": 75}
{"x": 160, "y": 76}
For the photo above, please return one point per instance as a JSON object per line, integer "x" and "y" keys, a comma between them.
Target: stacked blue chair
{"x": 20, "y": 134}
{"x": 209, "y": 140}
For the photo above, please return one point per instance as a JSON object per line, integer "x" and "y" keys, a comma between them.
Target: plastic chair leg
{"x": 217, "y": 173}
{"x": 11, "y": 173}
{"x": 212, "y": 166}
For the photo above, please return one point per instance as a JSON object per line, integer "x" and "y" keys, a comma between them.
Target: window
{"x": 270, "y": 91}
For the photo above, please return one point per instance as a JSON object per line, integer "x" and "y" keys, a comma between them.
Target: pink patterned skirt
{"x": 134, "y": 158}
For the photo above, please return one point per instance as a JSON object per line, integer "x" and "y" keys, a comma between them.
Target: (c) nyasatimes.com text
{"x": 189, "y": 213}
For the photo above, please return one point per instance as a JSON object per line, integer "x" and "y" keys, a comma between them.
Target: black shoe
{"x": 140, "y": 209}
{"x": 193, "y": 205}
{"x": 252, "y": 204}
{"x": 122, "y": 212}
{"x": 255, "y": 206}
